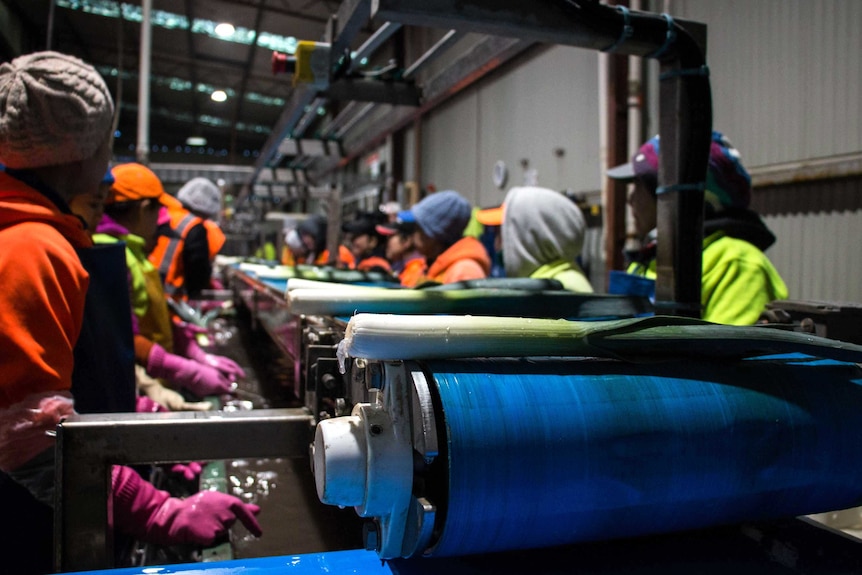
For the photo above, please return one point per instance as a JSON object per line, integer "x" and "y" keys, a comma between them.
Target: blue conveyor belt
{"x": 748, "y": 550}
{"x": 545, "y": 453}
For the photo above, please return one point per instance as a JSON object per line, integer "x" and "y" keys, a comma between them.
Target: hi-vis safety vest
{"x": 215, "y": 238}
{"x": 167, "y": 254}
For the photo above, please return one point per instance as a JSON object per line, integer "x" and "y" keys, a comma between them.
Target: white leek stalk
{"x": 383, "y": 336}
{"x": 318, "y": 273}
{"x": 264, "y": 271}
{"x": 302, "y": 283}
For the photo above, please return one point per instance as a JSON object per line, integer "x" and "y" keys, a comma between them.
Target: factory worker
{"x": 390, "y": 210}
{"x": 542, "y": 234}
{"x": 55, "y": 143}
{"x": 189, "y": 240}
{"x": 365, "y": 243}
{"x": 55, "y": 119}
{"x": 91, "y": 205}
{"x": 407, "y": 263}
{"x": 440, "y": 222}
{"x": 313, "y": 234}
{"x": 294, "y": 251}
{"x": 166, "y": 348}
{"x": 738, "y": 280}
{"x": 152, "y": 396}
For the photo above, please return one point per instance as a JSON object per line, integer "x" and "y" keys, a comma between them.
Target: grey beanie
{"x": 54, "y": 109}
{"x": 201, "y": 195}
{"x": 443, "y": 216}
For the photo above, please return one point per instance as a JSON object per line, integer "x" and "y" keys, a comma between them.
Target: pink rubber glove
{"x": 151, "y": 515}
{"x": 185, "y": 345}
{"x": 144, "y": 404}
{"x": 202, "y": 380}
{"x": 185, "y": 335}
{"x": 189, "y": 471}
{"x": 224, "y": 364}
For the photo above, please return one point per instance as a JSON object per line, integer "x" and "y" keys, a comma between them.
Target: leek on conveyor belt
{"x": 527, "y": 284}
{"x": 319, "y": 273}
{"x": 523, "y": 284}
{"x": 485, "y": 302}
{"x": 303, "y": 283}
{"x": 385, "y": 337}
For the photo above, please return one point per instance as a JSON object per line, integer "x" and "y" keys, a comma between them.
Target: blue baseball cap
{"x": 404, "y": 223}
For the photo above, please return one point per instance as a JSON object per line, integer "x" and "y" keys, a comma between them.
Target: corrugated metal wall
{"x": 786, "y": 75}
{"x": 818, "y": 254}
{"x": 818, "y": 226}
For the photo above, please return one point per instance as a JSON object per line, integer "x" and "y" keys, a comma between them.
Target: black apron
{"x": 103, "y": 379}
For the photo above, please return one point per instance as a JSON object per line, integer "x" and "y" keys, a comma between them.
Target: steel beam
{"x": 438, "y": 49}
{"x": 352, "y": 15}
{"x": 355, "y": 120}
{"x": 342, "y": 116}
{"x": 307, "y": 118}
{"x": 382, "y": 92}
{"x": 380, "y": 36}
{"x": 300, "y": 98}
{"x": 89, "y": 445}
{"x": 487, "y": 55}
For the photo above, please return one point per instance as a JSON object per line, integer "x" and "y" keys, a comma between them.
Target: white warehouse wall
{"x": 549, "y": 102}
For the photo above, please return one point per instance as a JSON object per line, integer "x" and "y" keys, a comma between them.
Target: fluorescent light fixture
{"x": 171, "y": 21}
{"x": 225, "y": 30}
{"x": 196, "y": 141}
{"x": 218, "y": 96}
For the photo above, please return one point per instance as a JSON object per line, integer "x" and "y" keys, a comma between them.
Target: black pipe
{"x": 686, "y": 130}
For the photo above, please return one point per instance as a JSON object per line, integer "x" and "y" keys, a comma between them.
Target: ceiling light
{"x": 225, "y": 30}
{"x": 218, "y": 96}
{"x": 196, "y": 141}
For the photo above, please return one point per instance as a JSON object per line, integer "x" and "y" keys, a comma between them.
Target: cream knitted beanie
{"x": 54, "y": 109}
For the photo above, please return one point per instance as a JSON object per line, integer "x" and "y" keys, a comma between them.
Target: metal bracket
{"x": 89, "y": 445}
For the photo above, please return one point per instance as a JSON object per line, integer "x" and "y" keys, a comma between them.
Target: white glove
{"x": 153, "y": 388}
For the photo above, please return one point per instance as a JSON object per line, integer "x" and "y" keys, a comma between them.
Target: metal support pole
{"x": 49, "y": 37}
{"x": 333, "y": 230}
{"x": 89, "y": 445}
{"x": 617, "y": 153}
{"x": 142, "y": 149}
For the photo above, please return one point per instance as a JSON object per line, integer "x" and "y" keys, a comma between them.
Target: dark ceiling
{"x": 187, "y": 63}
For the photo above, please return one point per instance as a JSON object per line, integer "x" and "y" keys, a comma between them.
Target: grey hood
{"x": 540, "y": 226}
